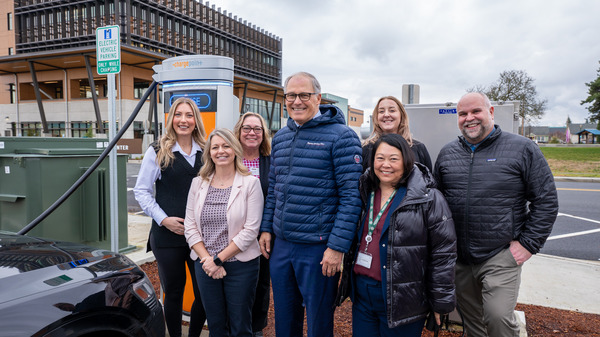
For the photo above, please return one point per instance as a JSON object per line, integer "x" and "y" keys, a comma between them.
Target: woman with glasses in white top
{"x": 252, "y": 132}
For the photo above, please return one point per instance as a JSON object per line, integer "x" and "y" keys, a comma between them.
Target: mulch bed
{"x": 541, "y": 321}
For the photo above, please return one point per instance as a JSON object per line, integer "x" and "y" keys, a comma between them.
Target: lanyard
{"x": 373, "y": 224}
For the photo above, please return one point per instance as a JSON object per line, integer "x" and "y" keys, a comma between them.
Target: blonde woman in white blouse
{"x": 223, "y": 215}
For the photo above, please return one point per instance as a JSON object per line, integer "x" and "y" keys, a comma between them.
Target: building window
{"x": 13, "y": 130}
{"x": 13, "y": 93}
{"x": 85, "y": 90}
{"x": 106, "y": 126}
{"x": 9, "y": 18}
{"x": 48, "y": 90}
{"x": 140, "y": 87}
{"x": 11, "y": 51}
{"x": 82, "y": 130}
{"x": 32, "y": 129}
{"x": 263, "y": 108}
{"x": 285, "y": 112}
{"x": 138, "y": 129}
{"x": 56, "y": 129}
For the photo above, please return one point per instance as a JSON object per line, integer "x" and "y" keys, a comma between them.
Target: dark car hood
{"x": 19, "y": 253}
{"x": 52, "y": 264}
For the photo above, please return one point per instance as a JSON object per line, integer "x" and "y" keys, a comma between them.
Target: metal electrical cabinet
{"x": 35, "y": 172}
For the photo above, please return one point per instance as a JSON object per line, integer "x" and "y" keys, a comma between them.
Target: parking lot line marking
{"x": 562, "y": 236}
{"x": 578, "y": 217}
{"x": 129, "y": 189}
{"x": 591, "y": 231}
{"x": 577, "y": 189}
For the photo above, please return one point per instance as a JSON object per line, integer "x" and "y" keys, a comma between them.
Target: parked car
{"x": 51, "y": 288}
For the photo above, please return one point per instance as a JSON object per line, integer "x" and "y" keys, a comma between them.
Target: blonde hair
{"x": 165, "y": 156}
{"x": 208, "y": 167}
{"x": 403, "y": 129}
{"x": 265, "y": 145}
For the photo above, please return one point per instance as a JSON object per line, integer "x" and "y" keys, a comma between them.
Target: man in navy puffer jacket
{"x": 312, "y": 208}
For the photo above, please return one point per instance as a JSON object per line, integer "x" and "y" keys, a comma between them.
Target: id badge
{"x": 364, "y": 259}
{"x": 255, "y": 171}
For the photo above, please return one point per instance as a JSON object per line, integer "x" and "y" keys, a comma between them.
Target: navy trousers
{"x": 228, "y": 301}
{"x": 298, "y": 283}
{"x": 369, "y": 315}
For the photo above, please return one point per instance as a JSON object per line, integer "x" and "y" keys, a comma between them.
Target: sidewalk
{"x": 561, "y": 283}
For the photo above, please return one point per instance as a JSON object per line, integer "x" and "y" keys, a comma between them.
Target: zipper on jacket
{"x": 467, "y": 203}
{"x": 285, "y": 192}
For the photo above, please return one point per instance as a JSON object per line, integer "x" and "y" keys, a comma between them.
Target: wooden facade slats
{"x": 170, "y": 27}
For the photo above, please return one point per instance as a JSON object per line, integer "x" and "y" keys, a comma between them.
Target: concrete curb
{"x": 140, "y": 256}
{"x": 577, "y": 179}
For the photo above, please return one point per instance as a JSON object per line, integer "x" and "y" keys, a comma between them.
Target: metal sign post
{"x": 108, "y": 61}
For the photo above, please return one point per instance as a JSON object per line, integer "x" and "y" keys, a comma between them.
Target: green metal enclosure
{"x": 35, "y": 172}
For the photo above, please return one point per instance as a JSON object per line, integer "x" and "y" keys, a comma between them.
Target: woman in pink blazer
{"x": 223, "y": 215}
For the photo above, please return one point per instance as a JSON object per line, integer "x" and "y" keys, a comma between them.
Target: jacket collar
{"x": 330, "y": 114}
{"x": 484, "y": 143}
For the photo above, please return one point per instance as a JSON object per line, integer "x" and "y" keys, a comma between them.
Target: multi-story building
{"x": 48, "y": 58}
{"x": 355, "y": 117}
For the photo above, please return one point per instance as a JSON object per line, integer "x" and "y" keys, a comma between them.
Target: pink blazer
{"x": 244, "y": 214}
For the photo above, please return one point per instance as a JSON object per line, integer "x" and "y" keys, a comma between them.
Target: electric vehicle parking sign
{"x": 108, "y": 50}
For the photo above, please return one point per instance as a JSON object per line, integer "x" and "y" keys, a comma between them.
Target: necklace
{"x": 220, "y": 182}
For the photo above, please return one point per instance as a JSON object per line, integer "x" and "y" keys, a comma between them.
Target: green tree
{"x": 89, "y": 133}
{"x": 516, "y": 85}
{"x": 593, "y": 99}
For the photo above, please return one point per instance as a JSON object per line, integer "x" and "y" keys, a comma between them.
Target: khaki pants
{"x": 487, "y": 295}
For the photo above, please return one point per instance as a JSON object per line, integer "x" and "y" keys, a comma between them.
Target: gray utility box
{"x": 437, "y": 124}
{"x": 35, "y": 172}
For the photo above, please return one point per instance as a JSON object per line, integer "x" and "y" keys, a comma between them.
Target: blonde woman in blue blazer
{"x": 223, "y": 215}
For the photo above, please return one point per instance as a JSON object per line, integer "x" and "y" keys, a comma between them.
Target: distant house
{"x": 576, "y": 128}
{"x": 543, "y": 134}
{"x": 539, "y": 134}
{"x": 588, "y": 136}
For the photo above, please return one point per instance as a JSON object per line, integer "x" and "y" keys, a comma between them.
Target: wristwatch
{"x": 217, "y": 261}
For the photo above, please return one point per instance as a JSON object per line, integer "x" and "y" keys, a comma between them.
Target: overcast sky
{"x": 366, "y": 49}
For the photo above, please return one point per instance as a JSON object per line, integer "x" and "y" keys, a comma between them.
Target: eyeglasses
{"x": 304, "y": 96}
{"x": 247, "y": 129}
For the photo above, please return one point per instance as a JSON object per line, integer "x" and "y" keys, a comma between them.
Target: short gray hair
{"x": 315, "y": 83}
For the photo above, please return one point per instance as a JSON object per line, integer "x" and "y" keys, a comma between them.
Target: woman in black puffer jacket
{"x": 402, "y": 264}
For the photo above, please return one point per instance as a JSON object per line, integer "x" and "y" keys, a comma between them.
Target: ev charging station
{"x": 207, "y": 80}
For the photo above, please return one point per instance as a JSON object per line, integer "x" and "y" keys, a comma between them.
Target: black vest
{"x": 171, "y": 195}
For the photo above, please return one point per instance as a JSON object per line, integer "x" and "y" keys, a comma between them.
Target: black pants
{"x": 260, "y": 310}
{"x": 171, "y": 270}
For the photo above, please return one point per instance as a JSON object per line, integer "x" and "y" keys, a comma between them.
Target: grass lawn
{"x": 573, "y": 161}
